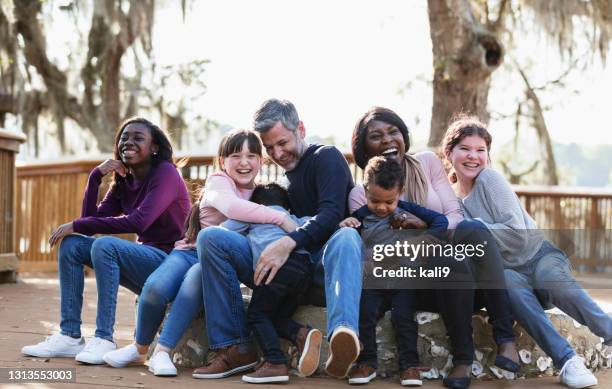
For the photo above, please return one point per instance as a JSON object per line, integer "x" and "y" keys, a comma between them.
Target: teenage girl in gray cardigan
{"x": 537, "y": 273}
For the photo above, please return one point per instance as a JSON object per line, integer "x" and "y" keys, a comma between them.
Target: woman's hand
{"x": 60, "y": 232}
{"x": 112, "y": 165}
{"x": 406, "y": 220}
{"x": 288, "y": 225}
{"x": 350, "y": 222}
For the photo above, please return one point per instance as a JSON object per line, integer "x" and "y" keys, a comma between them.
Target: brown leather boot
{"x": 308, "y": 342}
{"x": 361, "y": 374}
{"x": 411, "y": 377}
{"x": 226, "y": 362}
{"x": 267, "y": 372}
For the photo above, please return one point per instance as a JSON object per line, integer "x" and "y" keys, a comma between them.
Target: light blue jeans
{"x": 342, "y": 259}
{"x": 177, "y": 279}
{"x": 116, "y": 262}
{"x": 226, "y": 261}
{"x": 547, "y": 281}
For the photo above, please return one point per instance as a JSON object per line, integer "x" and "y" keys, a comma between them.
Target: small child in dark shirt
{"x": 272, "y": 305}
{"x": 383, "y": 183}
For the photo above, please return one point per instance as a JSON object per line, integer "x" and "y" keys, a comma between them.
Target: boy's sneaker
{"x": 343, "y": 351}
{"x": 226, "y": 362}
{"x": 574, "y": 374}
{"x": 267, "y": 372}
{"x": 94, "y": 351}
{"x": 161, "y": 365}
{"x": 411, "y": 377}
{"x": 308, "y": 341}
{"x": 361, "y": 374}
{"x": 56, "y": 345}
{"x": 124, "y": 356}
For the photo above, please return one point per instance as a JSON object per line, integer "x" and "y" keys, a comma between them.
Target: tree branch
{"x": 26, "y": 13}
{"x": 497, "y": 23}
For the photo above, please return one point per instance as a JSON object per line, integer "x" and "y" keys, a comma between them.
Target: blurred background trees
{"x": 70, "y": 92}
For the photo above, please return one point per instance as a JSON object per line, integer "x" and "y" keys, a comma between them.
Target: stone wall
{"x": 433, "y": 345}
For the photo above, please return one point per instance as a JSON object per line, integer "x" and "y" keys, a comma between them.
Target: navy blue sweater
{"x": 435, "y": 221}
{"x": 319, "y": 187}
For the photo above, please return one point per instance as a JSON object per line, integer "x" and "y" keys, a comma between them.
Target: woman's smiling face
{"x": 384, "y": 139}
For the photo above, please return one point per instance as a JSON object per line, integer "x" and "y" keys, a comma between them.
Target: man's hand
{"x": 350, "y": 222}
{"x": 111, "y": 165}
{"x": 406, "y": 220}
{"x": 273, "y": 258}
{"x": 60, "y": 232}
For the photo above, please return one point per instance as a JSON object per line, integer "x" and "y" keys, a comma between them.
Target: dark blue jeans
{"x": 374, "y": 303}
{"x": 489, "y": 277}
{"x": 272, "y": 306}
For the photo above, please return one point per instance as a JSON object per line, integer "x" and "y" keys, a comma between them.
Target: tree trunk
{"x": 465, "y": 53}
{"x": 539, "y": 124}
{"x": 99, "y": 110}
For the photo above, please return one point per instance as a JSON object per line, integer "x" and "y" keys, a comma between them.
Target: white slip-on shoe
{"x": 124, "y": 356}
{"x": 56, "y": 345}
{"x": 161, "y": 365}
{"x": 574, "y": 374}
{"x": 94, "y": 351}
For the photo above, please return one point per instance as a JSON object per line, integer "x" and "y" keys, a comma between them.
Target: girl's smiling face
{"x": 469, "y": 157}
{"x": 136, "y": 145}
{"x": 242, "y": 166}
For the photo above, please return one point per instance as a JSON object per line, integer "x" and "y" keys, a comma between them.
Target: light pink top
{"x": 224, "y": 200}
{"x": 440, "y": 195}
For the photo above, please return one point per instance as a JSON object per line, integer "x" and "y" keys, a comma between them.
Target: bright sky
{"x": 335, "y": 59}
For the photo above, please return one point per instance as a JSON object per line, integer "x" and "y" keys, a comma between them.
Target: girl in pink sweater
{"x": 179, "y": 278}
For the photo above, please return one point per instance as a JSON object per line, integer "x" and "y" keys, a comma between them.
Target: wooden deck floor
{"x": 29, "y": 311}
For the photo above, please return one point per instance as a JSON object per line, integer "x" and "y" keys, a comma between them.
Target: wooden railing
{"x": 9, "y": 147}
{"x": 50, "y": 194}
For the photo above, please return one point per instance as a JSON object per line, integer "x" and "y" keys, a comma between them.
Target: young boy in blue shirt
{"x": 383, "y": 183}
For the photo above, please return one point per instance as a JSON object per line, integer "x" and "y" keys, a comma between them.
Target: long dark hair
{"x": 358, "y": 140}
{"x": 159, "y": 138}
{"x": 231, "y": 143}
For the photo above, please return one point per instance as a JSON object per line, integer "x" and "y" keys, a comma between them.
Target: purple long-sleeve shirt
{"x": 155, "y": 208}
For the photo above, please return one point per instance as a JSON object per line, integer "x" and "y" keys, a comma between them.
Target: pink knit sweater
{"x": 224, "y": 200}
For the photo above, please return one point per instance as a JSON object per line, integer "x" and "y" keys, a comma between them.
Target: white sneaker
{"x": 56, "y": 345}
{"x": 574, "y": 374}
{"x": 161, "y": 364}
{"x": 94, "y": 351}
{"x": 124, "y": 356}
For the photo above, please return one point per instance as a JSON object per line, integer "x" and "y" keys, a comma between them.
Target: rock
{"x": 525, "y": 356}
{"x": 433, "y": 345}
{"x": 477, "y": 369}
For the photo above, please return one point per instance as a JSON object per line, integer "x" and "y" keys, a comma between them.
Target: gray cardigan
{"x": 493, "y": 202}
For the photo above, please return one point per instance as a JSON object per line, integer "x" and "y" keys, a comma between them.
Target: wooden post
{"x": 9, "y": 147}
